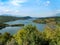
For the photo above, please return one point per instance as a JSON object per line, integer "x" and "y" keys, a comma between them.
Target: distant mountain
{"x": 58, "y": 14}
{"x": 53, "y": 16}
{"x": 5, "y": 18}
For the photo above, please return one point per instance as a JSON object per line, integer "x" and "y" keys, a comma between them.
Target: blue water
{"x": 13, "y": 30}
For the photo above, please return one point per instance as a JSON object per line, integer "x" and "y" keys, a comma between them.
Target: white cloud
{"x": 12, "y": 6}
{"x": 17, "y": 2}
{"x": 15, "y": 8}
{"x": 13, "y": 2}
{"x": 47, "y": 3}
{"x": 58, "y": 11}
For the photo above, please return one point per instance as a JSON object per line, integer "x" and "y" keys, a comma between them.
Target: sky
{"x": 34, "y": 8}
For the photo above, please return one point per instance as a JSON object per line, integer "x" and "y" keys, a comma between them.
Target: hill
{"x": 45, "y": 20}
{"x": 12, "y": 18}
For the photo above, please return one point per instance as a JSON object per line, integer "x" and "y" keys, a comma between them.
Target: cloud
{"x": 47, "y": 3}
{"x": 57, "y": 11}
{"x": 13, "y": 2}
{"x": 17, "y": 2}
{"x": 26, "y": 7}
{"x": 10, "y": 6}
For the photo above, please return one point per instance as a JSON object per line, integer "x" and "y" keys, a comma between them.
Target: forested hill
{"x": 12, "y": 18}
{"x": 47, "y": 19}
{"x": 56, "y": 18}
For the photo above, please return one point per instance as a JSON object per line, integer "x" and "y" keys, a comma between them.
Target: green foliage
{"x": 4, "y": 38}
{"x": 29, "y": 35}
{"x": 46, "y": 20}
{"x": 11, "y": 42}
{"x": 52, "y": 36}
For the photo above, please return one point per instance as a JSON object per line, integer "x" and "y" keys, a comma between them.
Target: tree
{"x": 29, "y": 35}
{"x": 4, "y": 38}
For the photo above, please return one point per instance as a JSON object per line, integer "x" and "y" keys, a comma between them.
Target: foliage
{"x": 29, "y": 35}
{"x": 46, "y": 20}
{"x": 11, "y": 42}
{"x": 4, "y": 38}
{"x": 52, "y": 36}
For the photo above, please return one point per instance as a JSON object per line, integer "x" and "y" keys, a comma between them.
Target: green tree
{"x": 4, "y": 38}
{"x": 29, "y": 35}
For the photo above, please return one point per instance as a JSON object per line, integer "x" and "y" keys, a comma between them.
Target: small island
{"x": 7, "y": 25}
{"x": 3, "y": 25}
{"x": 6, "y": 18}
{"x": 17, "y": 25}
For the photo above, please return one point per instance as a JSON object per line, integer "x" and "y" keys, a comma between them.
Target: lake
{"x": 13, "y": 30}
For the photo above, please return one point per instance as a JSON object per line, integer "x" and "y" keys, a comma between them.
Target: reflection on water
{"x": 13, "y": 30}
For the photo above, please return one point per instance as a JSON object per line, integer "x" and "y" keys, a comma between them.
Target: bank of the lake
{"x": 46, "y": 20}
{"x": 13, "y": 30}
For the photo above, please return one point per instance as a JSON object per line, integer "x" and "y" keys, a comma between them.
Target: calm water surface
{"x": 13, "y": 30}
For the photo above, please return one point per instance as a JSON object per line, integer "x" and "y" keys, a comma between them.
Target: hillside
{"x": 45, "y": 20}
{"x": 12, "y": 18}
